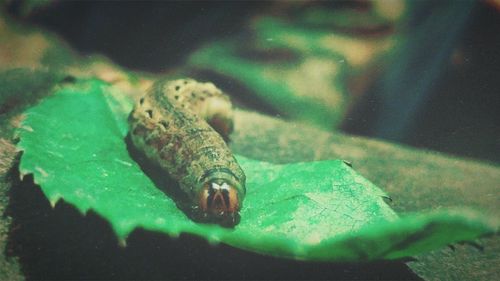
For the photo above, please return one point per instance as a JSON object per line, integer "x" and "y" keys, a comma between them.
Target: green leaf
{"x": 73, "y": 143}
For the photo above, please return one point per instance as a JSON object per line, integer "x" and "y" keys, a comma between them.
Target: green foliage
{"x": 283, "y": 66}
{"x": 73, "y": 143}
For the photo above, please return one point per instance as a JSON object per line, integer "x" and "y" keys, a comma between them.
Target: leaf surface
{"x": 74, "y": 144}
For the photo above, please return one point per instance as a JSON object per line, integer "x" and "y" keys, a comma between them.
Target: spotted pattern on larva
{"x": 180, "y": 125}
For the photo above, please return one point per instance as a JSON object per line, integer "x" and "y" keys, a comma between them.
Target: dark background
{"x": 460, "y": 113}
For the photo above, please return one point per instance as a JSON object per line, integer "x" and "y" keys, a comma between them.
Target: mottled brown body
{"x": 170, "y": 125}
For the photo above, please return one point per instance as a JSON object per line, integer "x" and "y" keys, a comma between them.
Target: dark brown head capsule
{"x": 220, "y": 200}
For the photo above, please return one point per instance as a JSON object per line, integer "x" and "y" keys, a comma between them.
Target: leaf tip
{"x": 122, "y": 242}
{"x": 54, "y": 199}
{"x": 27, "y": 128}
{"x": 174, "y": 234}
{"x": 387, "y": 199}
{"x": 348, "y": 163}
{"x": 213, "y": 240}
{"x": 22, "y": 174}
{"x": 19, "y": 147}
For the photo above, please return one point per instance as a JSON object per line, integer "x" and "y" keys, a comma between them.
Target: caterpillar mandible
{"x": 179, "y": 125}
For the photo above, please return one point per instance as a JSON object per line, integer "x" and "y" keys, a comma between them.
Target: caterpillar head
{"x": 220, "y": 200}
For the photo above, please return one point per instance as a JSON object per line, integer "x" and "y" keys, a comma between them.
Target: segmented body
{"x": 170, "y": 126}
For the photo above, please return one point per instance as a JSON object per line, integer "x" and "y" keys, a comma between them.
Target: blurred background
{"x": 421, "y": 73}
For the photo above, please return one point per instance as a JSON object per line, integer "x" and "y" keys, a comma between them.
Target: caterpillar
{"x": 180, "y": 125}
